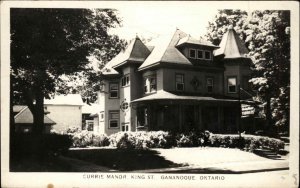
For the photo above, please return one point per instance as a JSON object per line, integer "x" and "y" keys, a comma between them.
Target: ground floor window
{"x": 90, "y": 125}
{"x": 142, "y": 116}
{"x": 114, "y": 117}
{"x": 125, "y": 127}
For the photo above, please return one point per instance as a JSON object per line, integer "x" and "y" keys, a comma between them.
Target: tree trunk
{"x": 269, "y": 124}
{"x": 38, "y": 115}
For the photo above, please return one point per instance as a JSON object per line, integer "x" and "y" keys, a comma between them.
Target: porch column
{"x": 220, "y": 118}
{"x": 200, "y": 123}
{"x": 180, "y": 116}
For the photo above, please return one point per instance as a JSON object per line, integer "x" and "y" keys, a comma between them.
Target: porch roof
{"x": 164, "y": 95}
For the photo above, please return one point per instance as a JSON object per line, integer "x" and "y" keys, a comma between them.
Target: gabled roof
{"x": 231, "y": 46}
{"x": 70, "y": 99}
{"x": 25, "y": 117}
{"x": 190, "y": 40}
{"x": 136, "y": 52}
{"x": 165, "y": 51}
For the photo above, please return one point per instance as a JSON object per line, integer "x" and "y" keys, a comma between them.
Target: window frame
{"x": 192, "y": 49}
{"x": 126, "y": 80}
{"x": 212, "y": 85}
{"x": 148, "y": 87}
{"x": 113, "y": 119}
{"x": 88, "y": 122}
{"x": 110, "y": 91}
{"x": 179, "y": 74}
{"x": 228, "y": 90}
{"x": 101, "y": 116}
{"x": 204, "y": 56}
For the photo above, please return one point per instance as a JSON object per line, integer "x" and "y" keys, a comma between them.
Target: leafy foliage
{"x": 267, "y": 36}
{"x": 48, "y": 45}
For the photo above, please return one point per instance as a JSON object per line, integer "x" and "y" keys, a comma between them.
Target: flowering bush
{"x": 100, "y": 140}
{"x": 85, "y": 138}
{"x": 141, "y": 140}
{"x": 246, "y": 142}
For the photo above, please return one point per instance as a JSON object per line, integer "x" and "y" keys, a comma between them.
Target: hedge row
{"x": 162, "y": 139}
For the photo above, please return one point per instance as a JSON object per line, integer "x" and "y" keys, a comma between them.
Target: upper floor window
{"x": 207, "y": 55}
{"x": 125, "y": 81}
{"x": 113, "y": 90}
{"x": 209, "y": 84}
{"x": 102, "y": 116}
{"x": 203, "y": 54}
{"x": 114, "y": 119}
{"x": 231, "y": 82}
{"x": 192, "y": 53}
{"x": 179, "y": 79}
{"x": 150, "y": 84}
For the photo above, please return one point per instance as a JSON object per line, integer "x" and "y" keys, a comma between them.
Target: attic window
{"x": 192, "y": 53}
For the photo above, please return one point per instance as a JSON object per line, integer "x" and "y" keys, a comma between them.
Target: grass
{"x": 123, "y": 160}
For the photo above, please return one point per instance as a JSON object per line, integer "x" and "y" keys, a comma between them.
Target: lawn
{"x": 122, "y": 159}
{"x": 201, "y": 159}
{"x": 132, "y": 160}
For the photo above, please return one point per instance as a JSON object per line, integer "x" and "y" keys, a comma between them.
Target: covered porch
{"x": 170, "y": 112}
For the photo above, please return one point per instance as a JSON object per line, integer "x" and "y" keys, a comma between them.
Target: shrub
{"x": 246, "y": 142}
{"x": 85, "y": 138}
{"x": 141, "y": 140}
{"x": 100, "y": 140}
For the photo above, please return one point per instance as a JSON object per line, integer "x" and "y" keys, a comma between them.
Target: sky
{"x": 153, "y": 20}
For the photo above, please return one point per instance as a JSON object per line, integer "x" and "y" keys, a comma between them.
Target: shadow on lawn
{"x": 270, "y": 154}
{"x": 123, "y": 159}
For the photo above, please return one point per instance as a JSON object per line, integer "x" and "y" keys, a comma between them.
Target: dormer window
{"x": 192, "y": 53}
{"x": 199, "y": 54}
{"x": 207, "y": 55}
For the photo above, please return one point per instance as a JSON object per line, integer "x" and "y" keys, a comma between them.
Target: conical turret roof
{"x": 231, "y": 46}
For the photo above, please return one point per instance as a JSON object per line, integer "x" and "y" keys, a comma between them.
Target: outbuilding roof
{"x": 70, "y": 99}
{"x": 25, "y": 117}
{"x": 231, "y": 46}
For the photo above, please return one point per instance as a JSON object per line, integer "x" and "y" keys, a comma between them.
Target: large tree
{"x": 266, "y": 35}
{"x": 49, "y": 43}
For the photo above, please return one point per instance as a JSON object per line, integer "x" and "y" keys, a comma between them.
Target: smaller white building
{"x": 90, "y": 117}
{"x": 65, "y": 110}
